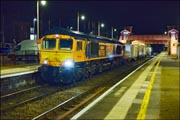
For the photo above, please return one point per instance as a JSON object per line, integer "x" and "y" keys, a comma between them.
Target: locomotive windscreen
{"x": 65, "y": 44}
{"x": 48, "y": 43}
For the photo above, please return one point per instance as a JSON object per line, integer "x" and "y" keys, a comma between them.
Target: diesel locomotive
{"x": 68, "y": 56}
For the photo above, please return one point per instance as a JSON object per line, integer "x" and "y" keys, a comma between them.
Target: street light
{"x": 43, "y": 2}
{"x": 82, "y": 18}
{"x": 112, "y": 31}
{"x": 99, "y": 27}
{"x": 102, "y": 24}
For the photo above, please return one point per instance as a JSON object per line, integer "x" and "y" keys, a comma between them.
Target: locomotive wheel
{"x": 77, "y": 75}
{"x": 90, "y": 72}
{"x": 67, "y": 81}
{"x": 114, "y": 64}
{"x": 87, "y": 73}
{"x": 100, "y": 68}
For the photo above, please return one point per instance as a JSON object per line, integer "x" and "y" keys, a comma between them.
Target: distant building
{"x": 170, "y": 40}
{"x": 173, "y": 33}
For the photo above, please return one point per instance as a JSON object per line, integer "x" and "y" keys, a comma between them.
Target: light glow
{"x": 110, "y": 56}
{"x": 43, "y": 2}
{"x": 82, "y": 17}
{"x": 102, "y": 25}
{"x": 45, "y": 62}
{"x": 57, "y": 35}
{"x": 68, "y": 63}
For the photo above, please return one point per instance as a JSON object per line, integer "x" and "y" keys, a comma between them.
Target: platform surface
{"x": 151, "y": 92}
{"x": 16, "y": 69}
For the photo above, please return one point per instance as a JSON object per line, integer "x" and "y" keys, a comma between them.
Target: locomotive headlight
{"x": 68, "y": 63}
{"x": 110, "y": 56}
{"x": 45, "y": 62}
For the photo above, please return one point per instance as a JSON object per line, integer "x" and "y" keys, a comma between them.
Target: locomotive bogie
{"x": 56, "y": 75}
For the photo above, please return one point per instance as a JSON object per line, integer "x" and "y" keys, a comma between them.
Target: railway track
{"x": 69, "y": 107}
{"x": 14, "y": 83}
{"x": 7, "y": 96}
{"x": 59, "y": 103}
{"x": 25, "y": 96}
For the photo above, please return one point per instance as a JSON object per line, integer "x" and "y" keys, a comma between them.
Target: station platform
{"x": 16, "y": 76}
{"x": 149, "y": 92}
{"x": 16, "y": 69}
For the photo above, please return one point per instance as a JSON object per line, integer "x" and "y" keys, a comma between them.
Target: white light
{"x": 34, "y": 19}
{"x": 102, "y": 25}
{"x": 82, "y": 17}
{"x": 43, "y": 2}
{"x": 173, "y": 32}
{"x": 32, "y": 36}
{"x": 110, "y": 56}
{"x": 57, "y": 35}
{"x": 68, "y": 63}
{"x": 45, "y": 62}
{"x": 115, "y": 30}
{"x": 125, "y": 33}
{"x": 77, "y": 32}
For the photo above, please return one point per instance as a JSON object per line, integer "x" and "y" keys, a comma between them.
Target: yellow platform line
{"x": 142, "y": 112}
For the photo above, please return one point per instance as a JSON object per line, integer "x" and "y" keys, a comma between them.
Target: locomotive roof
{"x": 80, "y": 35}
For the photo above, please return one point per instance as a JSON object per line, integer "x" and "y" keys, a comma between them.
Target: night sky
{"x": 146, "y": 17}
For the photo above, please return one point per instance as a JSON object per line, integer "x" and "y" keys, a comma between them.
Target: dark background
{"x": 146, "y": 17}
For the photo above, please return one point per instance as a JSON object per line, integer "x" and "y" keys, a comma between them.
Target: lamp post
{"x": 99, "y": 27}
{"x": 34, "y": 20}
{"x": 43, "y": 3}
{"x": 112, "y": 31}
{"x": 78, "y": 20}
{"x": 37, "y": 20}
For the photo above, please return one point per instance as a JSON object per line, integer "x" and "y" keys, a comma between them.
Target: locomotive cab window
{"x": 79, "y": 46}
{"x": 65, "y": 44}
{"x": 49, "y": 43}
